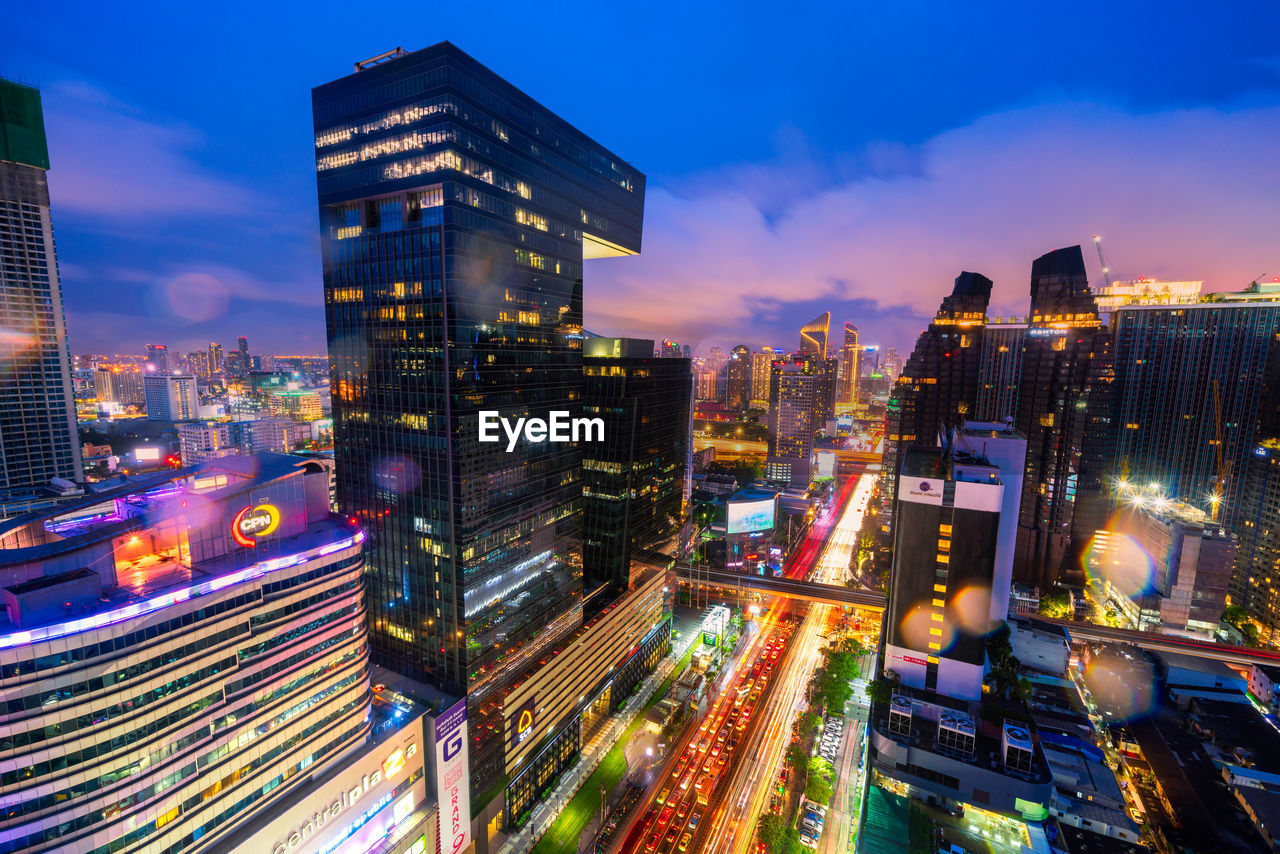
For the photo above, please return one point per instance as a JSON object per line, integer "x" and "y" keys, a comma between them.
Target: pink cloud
{"x": 1186, "y": 194}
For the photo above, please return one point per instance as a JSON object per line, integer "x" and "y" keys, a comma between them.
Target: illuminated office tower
{"x": 38, "y": 438}
{"x": 738, "y": 378}
{"x": 634, "y": 482}
{"x": 814, "y": 335}
{"x": 456, "y": 213}
{"x": 761, "y": 374}
{"x": 799, "y": 405}
{"x": 217, "y": 363}
{"x": 243, "y": 365}
{"x": 157, "y": 359}
{"x": 171, "y": 397}
{"x": 849, "y": 366}
{"x": 1065, "y": 380}
{"x": 938, "y": 385}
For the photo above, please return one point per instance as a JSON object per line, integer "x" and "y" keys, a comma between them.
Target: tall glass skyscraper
{"x": 456, "y": 213}
{"x": 38, "y": 438}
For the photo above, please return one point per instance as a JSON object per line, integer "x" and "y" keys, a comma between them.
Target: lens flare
{"x": 917, "y": 630}
{"x": 195, "y": 297}
{"x": 1121, "y": 686}
{"x": 398, "y": 475}
{"x": 971, "y": 610}
{"x": 1118, "y": 559}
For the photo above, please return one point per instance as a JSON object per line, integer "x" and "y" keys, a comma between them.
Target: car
{"x": 694, "y": 819}
{"x": 664, "y": 794}
{"x": 685, "y": 840}
{"x": 672, "y": 835}
{"x": 648, "y": 816}
{"x": 688, "y": 778}
{"x": 665, "y": 815}
{"x": 682, "y": 811}
{"x": 706, "y": 766}
{"x": 700, "y": 785}
{"x": 652, "y": 843}
{"x": 809, "y": 840}
{"x": 715, "y": 751}
{"x": 814, "y": 807}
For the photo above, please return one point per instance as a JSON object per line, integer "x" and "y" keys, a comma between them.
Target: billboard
{"x": 922, "y": 490}
{"x": 522, "y": 721}
{"x": 746, "y": 516}
{"x": 145, "y": 453}
{"x": 453, "y": 786}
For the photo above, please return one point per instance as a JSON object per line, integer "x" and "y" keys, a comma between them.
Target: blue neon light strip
{"x": 166, "y": 600}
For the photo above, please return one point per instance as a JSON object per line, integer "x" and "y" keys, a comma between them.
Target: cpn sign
{"x": 253, "y": 523}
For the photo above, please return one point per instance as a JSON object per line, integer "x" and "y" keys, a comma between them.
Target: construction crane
{"x": 1106, "y": 271}
{"x": 1220, "y": 460}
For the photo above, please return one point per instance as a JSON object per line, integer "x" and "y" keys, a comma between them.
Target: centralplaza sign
{"x": 390, "y": 767}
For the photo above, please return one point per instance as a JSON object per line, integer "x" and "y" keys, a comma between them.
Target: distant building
{"x": 157, "y": 359}
{"x": 171, "y": 397}
{"x": 815, "y": 334}
{"x": 298, "y": 404}
{"x": 202, "y": 441}
{"x": 738, "y": 378}
{"x": 798, "y": 395}
{"x": 761, "y": 373}
{"x": 850, "y": 366}
{"x": 119, "y": 384}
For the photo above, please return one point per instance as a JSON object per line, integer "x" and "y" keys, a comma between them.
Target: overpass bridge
{"x": 790, "y": 588}
{"x": 1166, "y": 643}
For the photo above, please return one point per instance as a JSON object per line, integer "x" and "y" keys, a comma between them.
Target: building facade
{"x": 38, "y": 436}
{"x": 798, "y": 395}
{"x": 737, "y": 382}
{"x": 171, "y": 397}
{"x": 849, "y": 366}
{"x": 1063, "y": 399}
{"x": 456, "y": 213}
{"x": 177, "y": 656}
{"x": 635, "y": 482}
{"x": 938, "y": 386}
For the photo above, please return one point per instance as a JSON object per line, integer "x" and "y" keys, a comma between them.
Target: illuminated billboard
{"x": 146, "y": 454}
{"x": 747, "y": 516}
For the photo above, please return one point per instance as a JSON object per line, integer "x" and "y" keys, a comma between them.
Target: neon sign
{"x": 254, "y": 522}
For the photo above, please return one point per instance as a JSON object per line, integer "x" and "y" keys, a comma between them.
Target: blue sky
{"x": 854, "y": 157}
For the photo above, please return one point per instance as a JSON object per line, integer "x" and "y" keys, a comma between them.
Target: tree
{"x": 797, "y": 758}
{"x": 880, "y": 691}
{"x": 818, "y": 787}
{"x": 1056, "y": 604}
{"x": 772, "y": 831}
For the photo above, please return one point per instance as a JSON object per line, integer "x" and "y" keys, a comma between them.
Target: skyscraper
{"x": 938, "y": 385}
{"x": 738, "y": 378}
{"x": 634, "y": 481}
{"x": 799, "y": 399}
{"x": 814, "y": 335}
{"x": 849, "y": 366}
{"x": 217, "y": 364}
{"x": 456, "y": 213}
{"x": 761, "y": 374}
{"x": 38, "y": 436}
{"x": 1065, "y": 380}
{"x": 171, "y": 397}
{"x": 242, "y": 349}
{"x": 157, "y": 359}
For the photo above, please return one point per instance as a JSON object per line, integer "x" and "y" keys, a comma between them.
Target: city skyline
{"x": 796, "y": 209}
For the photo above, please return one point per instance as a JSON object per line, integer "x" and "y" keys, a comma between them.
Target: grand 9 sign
{"x": 253, "y": 523}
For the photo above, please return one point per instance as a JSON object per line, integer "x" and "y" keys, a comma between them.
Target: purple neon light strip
{"x": 139, "y": 609}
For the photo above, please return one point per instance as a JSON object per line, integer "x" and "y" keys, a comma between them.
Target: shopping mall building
{"x": 183, "y": 667}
